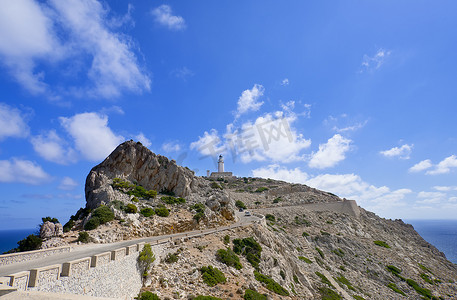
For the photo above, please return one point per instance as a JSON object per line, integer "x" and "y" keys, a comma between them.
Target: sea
{"x": 440, "y": 233}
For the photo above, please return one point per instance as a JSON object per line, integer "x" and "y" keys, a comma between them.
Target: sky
{"x": 357, "y": 98}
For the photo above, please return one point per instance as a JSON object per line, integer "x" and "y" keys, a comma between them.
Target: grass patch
{"x": 427, "y": 278}
{"x": 253, "y": 295}
{"x": 358, "y": 297}
{"x": 341, "y": 279}
{"x": 306, "y": 260}
{"x": 338, "y": 252}
{"x": 381, "y": 244}
{"x": 395, "y": 288}
{"x": 420, "y": 290}
{"x": 270, "y": 284}
{"x": 320, "y": 252}
{"x": 424, "y": 268}
{"x": 229, "y": 258}
{"x": 329, "y": 294}
{"x": 324, "y": 279}
{"x": 212, "y": 275}
{"x": 261, "y": 189}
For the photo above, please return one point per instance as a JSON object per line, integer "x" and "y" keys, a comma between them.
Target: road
{"x": 94, "y": 249}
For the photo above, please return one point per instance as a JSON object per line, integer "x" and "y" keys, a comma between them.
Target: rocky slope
{"x": 305, "y": 252}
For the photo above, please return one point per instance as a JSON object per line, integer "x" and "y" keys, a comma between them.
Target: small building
{"x": 220, "y": 170}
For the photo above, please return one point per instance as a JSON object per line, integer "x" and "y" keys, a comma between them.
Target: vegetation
{"x": 68, "y": 226}
{"x": 147, "y": 211}
{"x": 135, "y": 199}
{"x": 171, "y": 258}
{"x": 132, "y": 189}
{"x": 276, "y": 200}
{"x": 329, "y": 294}
{"x": 49, "y": 219}
{"x": 200, "y": 211}
{"x": 282, "y": 274}
{"x": 305, "y": 234}
{"x": 324, "y": 279}
{"x": 83, "y": 237}
{"x": 162, "y": 211}
{"x": 119, "y": 205}
{"x": 424, "y": 268}
{"x": 320, "y": 252}
{"x": 92, "y": 224}
{"x": 147, "y": 296}
{"x": 216, "y": 185}
{"x": 302, "y": 221}
{"x": 296, "y": 279}
{"x": 358, "y": 297}
{"x": 145, "y": 259}
{"x": 131, "y": 208}
{"x": 338, "y": 252}
{"x": 341, "y": 279}
{"x": 229, "y": 258}
{"x": 206, "y": 298}
{"x": 212, "y": 275}
{"x": 31, "y": 242}
{"x": 253, "y": 295}
{"x": 306, "y": 260}
{"x": 100, "y": 215}
{"x": 226, "y": 239}
{"x": 249, "y": 248}
{"x": 173, "y": 200}
{"x": 394, "y": 287}
{"x": 270, "y": 284}
{"x": 420, "y": 290}
{"x": 395, "y": 271}
{"x": 427, "y": 278}
{"x": 261, "y": 189}
{"x": 381, "y": 244}
{"x": 270, "y": 218}
{"x": 240, "y": 204}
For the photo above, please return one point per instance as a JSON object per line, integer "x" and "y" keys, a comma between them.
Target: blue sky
{"x": 353, "y": 97}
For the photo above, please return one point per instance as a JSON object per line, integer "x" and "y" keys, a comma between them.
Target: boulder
{"x": 49, "y": 230}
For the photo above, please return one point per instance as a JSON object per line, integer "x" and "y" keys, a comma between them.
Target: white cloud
{"x": 430, "y": 197}
{"x": 248, "y": 100}
{"x": 421, "y": 166}
{"x": 209, "y": 144}
{"x": 91, "y": 134}
{"x": 23, "y": 171}
{"x": 143, "y": 140}
{"x": 163, "y": 15}
{"x": 68, "y": 184}
{"x": 112, "y": 109}
{"x": 182, "y": 73}
{"x": 343, "y": 123}
{"x": 371, "y": 63}
{"x": 67, "y": 35}
{"x": 330, "y": 153}
{"x": 445, "y": 188}
{"x": 402, "y": 152}
{"x": 285, "y": 81}
{"x": 12, "y": 122}
{"x": 171, "y": 147}
{"x": 280, "y": 173}
{"x": 51, "y": 147}
{"x": 444, "y": 166}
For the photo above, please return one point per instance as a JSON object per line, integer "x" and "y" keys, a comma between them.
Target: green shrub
{"x": 282, "y": 274}
{"x": 270, "y": 218}
{"x": 346, "y": 282}
{"x": 119, "y": 205}
{"x": 215, "y": 185}
{"x": 121, "y": 184}
{"x": 229, "y": 258}
{"x": 249, "y": 248}
{"x": 200, "y": 211}
{"x": 393, "y": 269}
{"x": 381, "y": 244}
{"x": 147, "y": 296}
{"x": 320, "y": 252}
{"x": 103, "y": 213}
{"x": 68, "y": 226}
{"x": 145, "y": 259}
{"x": 147, "y": 211}
{"x": 31, "y": 242}
{"x": 171, "y": 258}
{"x": 226, "y": 239}
{"x": 420, "y": 290}
{"x": 276, "y": 200}
{"x": 305, "y": 234}
{"x": 206, "y": 298}
{"x": 135, "y": 199}
{"x": 172, "y": 200}
{"x": 302, "y": 221}
{"x": 329, "y": 222}
{"x": 296, "y": 279}
{"x": 270, "y": 284}
{"x": 92, "y": 223}
{"x": 83, "y": 237}
{"x": 324, "y": 279}
{"x": 329, "y": 294}
{"x": 338, "y": 252}
{"x": 162, "y": 211}
{"x": 240, "y": 204}
{"x": 141, "y": 192}
{"x": 131, "y": 208}
{"x": 49, "y": 219}
{"x": 394, "y": 287}
{"x": 212, "y": 275}
{"x": 426, "y": 278}
{"x": 306, "y": 260}
{"x": 424, "y": 268}
{"x": 261, "y": 189}
{"x": 253, "y": 295}
{"x": 325, "y": 233}
{"x": 358, "y": 297}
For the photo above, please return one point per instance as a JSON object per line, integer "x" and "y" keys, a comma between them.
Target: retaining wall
{"x": 6, "y": 259}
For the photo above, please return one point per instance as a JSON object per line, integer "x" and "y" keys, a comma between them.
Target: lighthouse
{"x": 220, "y": 164}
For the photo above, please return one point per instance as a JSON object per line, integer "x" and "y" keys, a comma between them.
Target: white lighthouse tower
{"x": 220, "y": 164}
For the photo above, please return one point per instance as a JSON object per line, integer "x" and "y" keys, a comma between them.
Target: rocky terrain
{"x": 299, "y": 252}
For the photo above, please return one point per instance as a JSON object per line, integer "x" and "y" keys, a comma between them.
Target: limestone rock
{"x": 49, "y": 230}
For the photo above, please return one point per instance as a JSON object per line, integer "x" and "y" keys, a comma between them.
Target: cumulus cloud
{"x": 163, "y": 15}
{"x": 91, "y": 134}
{"x": 421, "y": 166}
{"x": 143, "y": 140}
{"x": 402, "y": 152}
{"x": 23, "y": 171}
{"x": 285, "y": 81}
{"x": 445, "y": 188}
{"x": 277, "y": 172}
{"x": 430, "y": 197}
{"x": 444, "y": 166}
{"x": 12, "y": 123}
{"x": 248, "y": 100}
{"x": 61, "y": 35}
{"x": 53, "y": 148}
{"x": 330, "y": 153}
{"x": 171, "y": 147}
{"x": 67, "y": 184}
{"x": 371, "y": 63}
{"x": 210, "y": 144}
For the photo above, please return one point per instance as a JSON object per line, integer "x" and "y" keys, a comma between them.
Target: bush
{"x": 324, "y": 279}
{"x": 135, "y": 199}
{"x": 270, "y": 284}
{"x": 426, "y": 278}
{"x": 162, "y": 211}
{"x": 346, "y": 282}
{"x": 147, "y": 296}
{"x": 261, "y": 189}
{"x": 215, "y": 185}
{"x": 320, "y": 252}
{"x": 253, "y": 295}
{"x": 147, "y": 211}
{"x": 206, "y": 298}
{"x": 270, "y": 218}
{"x": 171, "y": 258}
{"x": 302, "y": 221}
{"x": 83, "y": 237}
{"x": 68, "y": 226}
{"x": 226, "y": 239}
{"x": 381, "y": 244}
{"x": 212, "y": 275}
{"x": 145, "y": 259}
{"x": 92, "y": 223}
{"x": 249, "y": 248}
{"x": 306, "y": 260}
{"x": 394, "y": 287}
{"x": 173, "y": 200}
{"x": 200, "y": 211}
{"x": 49, "y": 219}
{"x": 420, "y": 290}
{"x": 328, "y": 294}
{"x": 119, "y": 205}
{"x": 131, "y": 208}
{"x": 103, "y": 213}
{"x": 229, "y": 258}
{"x": 276, "y": 200}
{"x": 282, "y": 274}
{"x": 240, "y": 204}
{"x": 305, "y": 234}
{"x": 32, "y": 242}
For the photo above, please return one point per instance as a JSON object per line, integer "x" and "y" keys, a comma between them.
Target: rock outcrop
{"x": 134, "y": 162}
{"x": 49, "y": 230}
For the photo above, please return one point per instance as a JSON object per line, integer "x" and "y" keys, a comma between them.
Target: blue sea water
{"x": 9, "y": 238}
{"x": 440, "y": 233}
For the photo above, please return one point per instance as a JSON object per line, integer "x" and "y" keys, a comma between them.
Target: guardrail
{"x": 7, "y": 259}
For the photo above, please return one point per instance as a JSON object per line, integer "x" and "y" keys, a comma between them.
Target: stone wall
{"x": 7, "y": 259}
